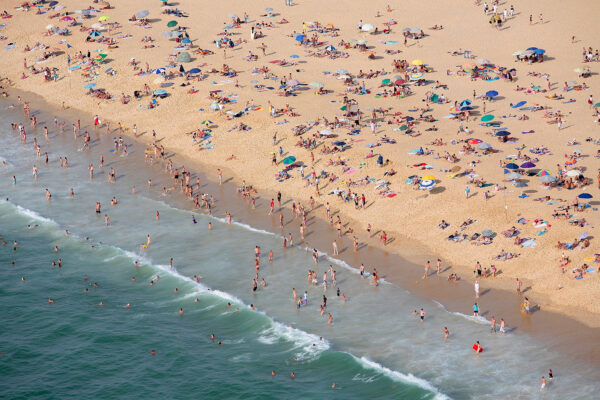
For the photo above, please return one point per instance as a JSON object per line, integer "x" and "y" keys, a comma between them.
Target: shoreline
{"x": 411, "y": 218}
{"x": 556, "y": 329}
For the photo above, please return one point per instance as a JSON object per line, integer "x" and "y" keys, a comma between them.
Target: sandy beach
{"x": 556, "y": 130}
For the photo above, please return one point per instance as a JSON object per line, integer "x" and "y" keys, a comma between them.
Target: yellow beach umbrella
{"x": 428, "y": 177}
{"x": 417, "y": 62}
{"x": 103, "y": 18}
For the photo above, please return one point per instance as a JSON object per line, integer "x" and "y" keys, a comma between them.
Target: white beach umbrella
{"x": 367, "y": 27}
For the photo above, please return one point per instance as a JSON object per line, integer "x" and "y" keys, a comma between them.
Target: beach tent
{"x": 184, "y": 57}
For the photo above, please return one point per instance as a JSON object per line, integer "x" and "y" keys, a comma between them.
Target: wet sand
{"x": 556, "y": 330}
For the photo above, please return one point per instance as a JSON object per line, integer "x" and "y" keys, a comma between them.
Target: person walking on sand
{"x": 427, "y": 266}
{"x": 467, "y": 191}
{"x": 476, "y": 287}
{"x": 518, "y": 287}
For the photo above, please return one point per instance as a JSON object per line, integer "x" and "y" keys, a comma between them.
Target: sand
{"x": 410, "y": 218}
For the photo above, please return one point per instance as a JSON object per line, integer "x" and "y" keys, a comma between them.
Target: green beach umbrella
{"x": 343, "y": 108}
{"x": 403, "y": 127}
{"x": 386, "y": 81}
{"x": 435, "y": 98}
{"x": 487, "y": 118}
{"x": 206, "y": 122}
{"x": 288, "y": 160}
{"x": 171, "y": 24}
{"x": 597, "y": 105}
{"x": 101, "y": 57}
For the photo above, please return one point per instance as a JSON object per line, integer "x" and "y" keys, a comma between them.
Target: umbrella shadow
{"x": 437, "y": 189}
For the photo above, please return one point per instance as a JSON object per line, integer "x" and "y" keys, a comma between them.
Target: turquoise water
{"x": 375, "y": 347}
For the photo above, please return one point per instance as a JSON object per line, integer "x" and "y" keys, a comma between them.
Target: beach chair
{"x": 467, "y": 54}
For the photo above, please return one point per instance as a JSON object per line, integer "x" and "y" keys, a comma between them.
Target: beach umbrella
{"x": 67, "y": 18}
{"x": 597, "y": 105}
{"x": 294, "y": 56}
{"x": 327, "y": 132}
{"x": 171, "y": 24}
{"x": 427, "y": 184}
{"x": 293, "y": 83}
{"x": 316, "y": 84}
{"x": 454, "y": 110}
{"x": 103, "y": 18}
{"x": 403, "y": 127}
{"x": 475, "y": 141}
{"x": 184, "y": 57}
{"x": 528, "y": 164}
{"x": 483, "y": 61}
{"x": 288, "y": 160}
{"x": 585, "y": 196}
{"x": 484, "y": 146}
{"x": 300, "y": 38}
{"x": 49, "y": 27}
{"x": 367, "y": 27}
{"x": 540, "y": 51}
{"x": 330, "y": 48}
{"x": 573, "y": 173}
{"x": 341, "y": 71}
{"x": 232, "y": 15}
{"x": 206, "y": 122}
{"x": 487, "y": 233}
{"x": 532, "y": 48}
{"x": 160, "y": 92}
{"x": 416, "y": 76}
{"x": 399, "y": 81}
{"x": 386, "y": 81}
{"x": 98, "y": 26}
{"x": 543, "y": 172}
{"x": 491, "y": 93}
{"x": 142, "y": 14}
{"x": 268, "y": 9}
{"x": 514, "y": 175}
{"x": 465, "y": 103}
{"x": 417, "y": 62}
{"x": 186, "y": 41}
{"x": 100, "y": 57}
{"x": 502, "y": 133}
{"x": 547, "y": 179}
{"x": 89, "y": 86}
{"x": 518, "y": 53}
{"x": 214, "y": 106}
{"x": 487, "y": 118}
{"x": 95, "y": 33}
{"x": 579, "y": 70}
{"x": 195, "y": 71}
{"x": 428, "y": 178}
{"x": 159, "y": 71}
{"x": 361, "y": 42}
{"x": 511, "y": 166}
{"x": 415, "y": 30}
{"x": 53, "y": 3}
{"x": 528, "y": 52}
{"x": 466, "y": 108}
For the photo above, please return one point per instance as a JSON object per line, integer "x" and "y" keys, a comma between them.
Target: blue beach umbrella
{"x": 186, "y": 41}
{"x": 195, "y": 71}
{"x": 502, "y": 133}
{"x": 300, "y": 38}
{"x": 89, "y": 86}
{"x": 294, "y": 56}
{"x": 159, "y": 71}
{"x": 160, "y": 92}
{"x": 53, "y": 3}
{"x": 465, "y": 103}
{"x": 142, "y": 14}
{"x": 329, "y": 48}
{"x": 532, "y": 48}
{"x": 585, "y": 196}
{"x": 95, "y": 33}
{"x": 512, "y": 166}
{"x": 540, "y": 51}
{"x": 427, "y": 183}
{"x": 491, "y": 93}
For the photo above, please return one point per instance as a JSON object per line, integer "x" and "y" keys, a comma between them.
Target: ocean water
{"x": 375, "y": 348}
